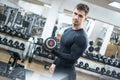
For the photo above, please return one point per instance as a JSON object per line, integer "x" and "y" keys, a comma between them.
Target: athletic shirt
{"x": 72, "y": 44}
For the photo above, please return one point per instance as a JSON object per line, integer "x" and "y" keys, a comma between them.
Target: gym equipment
{"x": 103, "y": 71}
{"x": 12, "y": 63}
{"x": 10, "y": 42}
{"x": 113, "y": 73}
{"x": 108, "y": 72}
{"x": 97, "y": 69}
{"x": 4, "y": 41}
{"x": 46, "y": 66}
{"x": 118, "y": 75}
{"x": 80, "y": 64}
{"x": 39, "y": 41}
{"x": 91, "y": 48}
{"x": 86, "y": 66}
{"x": 50, "y": 43}
{"x": 16, "y": 44}
{"x": 21, "y": 46}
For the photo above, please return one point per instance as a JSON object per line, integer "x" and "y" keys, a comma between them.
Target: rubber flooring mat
{"x": 18, "y": 73}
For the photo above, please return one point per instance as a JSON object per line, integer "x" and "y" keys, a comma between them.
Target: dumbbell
{"x": 80, "y": 64}
{"x": 86, "y": 66}
{"x": 37, "y": 51}
{"x": 97, "y": 49}
{"x": 16, "y": 44}
{"x": 50, "y": 56}
{"x": 39, "y": 41}
{"x": 97, "y": 69}
{"x": 19, "y": 34}
{"x": 4, "y": 41}
{"x": 50, "y": 44}
{"x": 46, "y": 66}
{"x": 0, "y": 39}
{"x": 3, "y": 29}
{"x": 26, "y": 36}
{"x": 22, "y": 46}
{"x": 13, "y": 32}
{"x": 108, "y": 72}
{"x": 118, "y": 75}
{"x": 10, "y": 42}
{"x": 8, "y": 30}
{"x": 103, "y": 70}
{"x": 113, "y": 73}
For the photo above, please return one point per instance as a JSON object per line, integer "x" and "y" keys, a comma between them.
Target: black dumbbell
{"x": 13, "y": 32}
{"x": 80, "y": 64}
{"x": 97, "y": 69}
{"x": 10, "y": 42}
{"x": 118, "y": 75}
{"x": 37, "y": 50}
{"x": 113, "y": 73}
{"x": 26, "y": 36}
{"x": 22, "y": 46}
{"x": 86, "y": 66}
{"x": 0, "y": 39}
{"x": 19, "y": 34}
{"x": 50, "y": 44}
{"x": 16, "y": 44}
{"x": 91, "y": 49}
{"x": 91, "y": 42}
{"x": 39, "y": 41}
{"x": 4, "y": 41}
{"x": 103, "y": 70}
{"x": 108, "y": 72}
{"x": 46, "y": 66}
{"x": 50, "y": 56}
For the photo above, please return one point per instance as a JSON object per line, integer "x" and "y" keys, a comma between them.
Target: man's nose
{"x": 76, "y": 16}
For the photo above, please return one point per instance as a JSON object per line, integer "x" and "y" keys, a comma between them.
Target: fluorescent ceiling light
{"x": 115, "y": 4}
{"x": 47, "y": 5}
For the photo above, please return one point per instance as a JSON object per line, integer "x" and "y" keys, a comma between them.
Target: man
{"x": 72, "y": 44}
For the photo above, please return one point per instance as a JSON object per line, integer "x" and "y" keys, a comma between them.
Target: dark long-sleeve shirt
{"x": 72, "y": 45}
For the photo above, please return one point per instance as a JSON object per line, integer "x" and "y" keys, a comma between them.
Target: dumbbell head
{"x": 91, "y": 42}
{"x": 4, "y": 41}
{"x": 50, "y": 43}
{"x": 91, "y": 48}
{"x": 22, "y": 46}
{"x": 39, "y": 41}
{"x": 86, "y": 65}
{"x": 108, "y": 72}
{"x": 113, "y": 73}
{"x": 10, "y": 42}
{"x": 97, "y": 69}
{"x": 103, "y": 70}
{"x": 80, "y": 64}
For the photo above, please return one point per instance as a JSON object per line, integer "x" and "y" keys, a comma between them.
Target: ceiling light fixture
{"x": 46, "y": 5}
{"x": 115, "y": 4}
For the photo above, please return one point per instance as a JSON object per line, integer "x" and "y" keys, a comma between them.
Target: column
{"x": 106, "y": 39}
{"x": 51, "y": 18}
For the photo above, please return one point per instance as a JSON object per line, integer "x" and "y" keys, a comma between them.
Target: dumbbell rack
{"x": 31, "y": 54}
{"x": 22, "y": 53}
{"x": 93, "y": 65}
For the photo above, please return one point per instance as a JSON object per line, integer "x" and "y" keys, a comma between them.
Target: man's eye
{"x": 81, "y": 16}
{"x": 75, "y": 13}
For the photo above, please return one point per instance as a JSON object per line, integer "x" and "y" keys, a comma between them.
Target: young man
{"x": 72, "y": 44}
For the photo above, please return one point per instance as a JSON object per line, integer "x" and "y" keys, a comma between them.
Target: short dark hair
{"x": 83, "y": 7}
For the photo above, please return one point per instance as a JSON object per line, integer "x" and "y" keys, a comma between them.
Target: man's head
{"x": 80, "y": 14}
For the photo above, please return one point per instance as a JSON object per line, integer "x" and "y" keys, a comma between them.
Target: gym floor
{"x": 37, "y": 69}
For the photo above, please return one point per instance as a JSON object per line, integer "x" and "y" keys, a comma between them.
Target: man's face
{"x": 78, "y": 17}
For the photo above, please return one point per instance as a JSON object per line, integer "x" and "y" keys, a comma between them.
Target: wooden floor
{"x": 38, "y": 69}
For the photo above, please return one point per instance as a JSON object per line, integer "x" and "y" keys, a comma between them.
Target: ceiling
{"x": 104, "y": 3}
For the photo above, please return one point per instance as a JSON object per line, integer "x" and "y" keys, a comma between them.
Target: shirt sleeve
{"x": 78, "y": 47}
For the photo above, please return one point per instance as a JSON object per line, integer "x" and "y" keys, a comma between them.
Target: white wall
{"x": 96, "y": 12}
